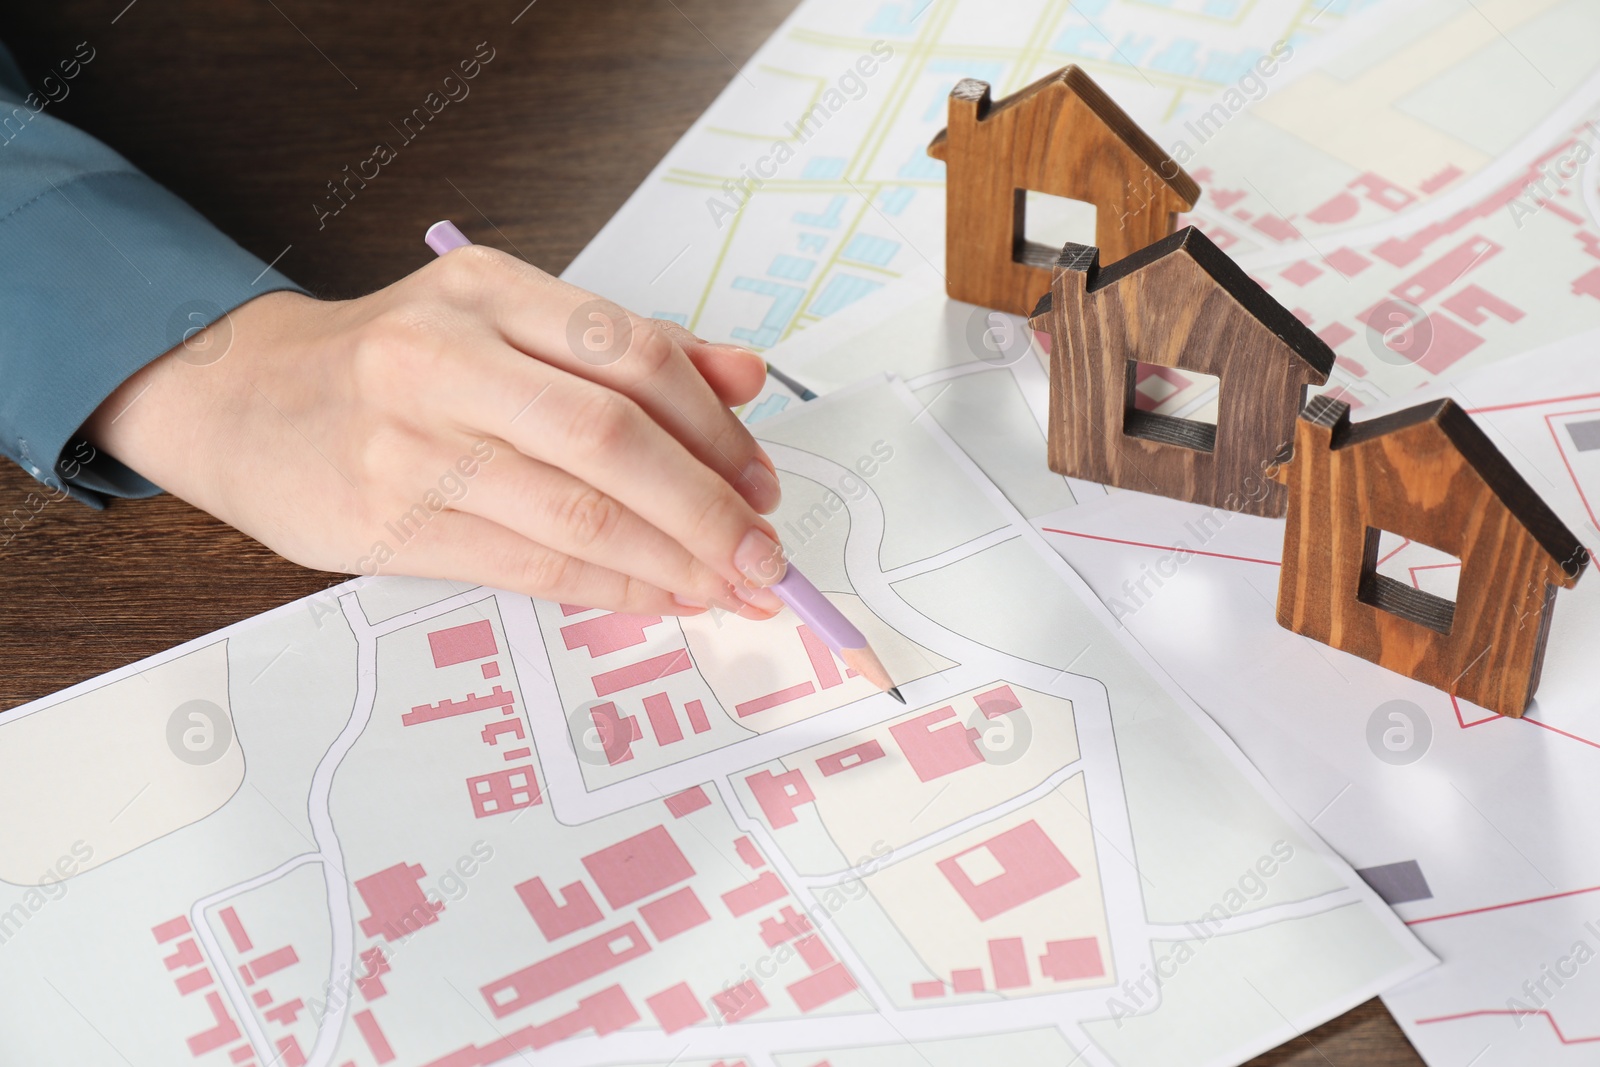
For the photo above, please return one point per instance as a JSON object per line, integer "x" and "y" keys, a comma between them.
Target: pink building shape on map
{"x": 638, "y": 867}
{"x": 503, "y": 791}
{"x": 473, "y": 640}
{"x": 934, "y": 750}
{"x": 1008, "y": 870}
{"x": 396, "y": 904}
{"x": 779, "y": 795}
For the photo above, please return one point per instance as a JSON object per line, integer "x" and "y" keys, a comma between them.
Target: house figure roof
{"x": 1182, "y": 305}
{"x": 1063, "y": 136}
{"x": 1430, "y": 475}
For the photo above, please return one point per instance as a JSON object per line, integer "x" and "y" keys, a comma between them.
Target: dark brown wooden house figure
{"x": 1179, "y": 303}
{"x": 1429, "y": 474}
{"x": 1061, "y": 135}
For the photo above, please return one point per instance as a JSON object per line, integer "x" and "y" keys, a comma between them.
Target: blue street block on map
{"x": 899, "y": 20}
{"x": 841, "y": 291}
{"x": 896, "y": 200}
{"x": 921, "y": 167}
{"x": 1082, "y": 42}
{"x": 1132, "y": 50}
{"x": 785, "y": 302}
{"x": 791, "y": 268}
{"x": 769, "y": 407}
{"x": 829, "y": 219}
{"x": 824, "y": 167}
{"x": 873, "y": 251}
{"x": 1179, "y": 57}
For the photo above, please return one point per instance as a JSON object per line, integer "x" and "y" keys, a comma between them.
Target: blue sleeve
{"x": 101, "y": 271}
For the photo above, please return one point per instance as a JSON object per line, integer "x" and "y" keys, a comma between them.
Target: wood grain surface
{"x": 1179, "y": 303}
{"x": 247, "y": 114}
{"x": 1062, "y": 135}
{"x": 1427, "y": 474}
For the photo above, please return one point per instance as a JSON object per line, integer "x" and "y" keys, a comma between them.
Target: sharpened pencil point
{"x": 895, "y": 692}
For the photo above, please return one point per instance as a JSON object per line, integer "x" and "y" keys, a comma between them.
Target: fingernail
{"x": 761, "y": 486}
{"x": 760, "y": 559}
{"x": 753, "y": 613}
{"x": 684, "y": 602}
{"x": 765, "y": 599}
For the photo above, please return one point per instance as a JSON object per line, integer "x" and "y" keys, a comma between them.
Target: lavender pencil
{"x": 825, "y": 620}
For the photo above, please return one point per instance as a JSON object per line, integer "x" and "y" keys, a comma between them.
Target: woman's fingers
{"x": 555, "y": 509}
{"x": 607, "y": 441}
{"x": 470, "y": 548}
{"x": 736, "y": 375}
{"x": 602, "y": 342}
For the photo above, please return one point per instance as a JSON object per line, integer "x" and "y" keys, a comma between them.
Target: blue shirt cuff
{"x": 100, "y": 273}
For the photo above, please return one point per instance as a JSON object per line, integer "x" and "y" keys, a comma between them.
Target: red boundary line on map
{"x": 1162, "y": 548}
{"x": 1531, "y": 403}
{"x": 1563, "y": 1038}
{"x": 1500, "y": 907}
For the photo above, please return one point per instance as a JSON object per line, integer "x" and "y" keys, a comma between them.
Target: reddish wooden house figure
{"x": 1063, "y": 136}
{"x": 1428, "y": 474}
{"x": 1180, "y": 303}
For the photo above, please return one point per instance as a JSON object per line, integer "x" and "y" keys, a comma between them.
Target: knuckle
{"x": 589, "y": 516}
{"x": 462, "y": 273}
{"x": 652, "y": 351}
{"x": 546, "y": 573}
{"x": 604, "y": 422}
{"x": 718, "y": 513}
{"x": 639, "y": 597}
{"x": 404, "y": 344}
{"x": 379, "y": 445}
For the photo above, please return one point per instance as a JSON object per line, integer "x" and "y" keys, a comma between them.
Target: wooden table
{"x": 247, "y": 110}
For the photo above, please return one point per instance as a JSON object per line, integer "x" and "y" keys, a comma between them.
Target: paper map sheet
{"x": 409, "y": 822}
{"x": 1419, "y": 181}
{"x": 851, "y": 201}
{"x": 1475, "y": 827}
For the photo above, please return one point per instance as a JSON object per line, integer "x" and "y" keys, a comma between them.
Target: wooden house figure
{"x": 1429, "y": 474}
{"x": 1179, "y": 303}
{"x": 1061, "y": 135}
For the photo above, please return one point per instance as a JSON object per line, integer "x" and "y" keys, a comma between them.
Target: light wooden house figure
{"x": 1179, "y": 303}
{"x": 1063, "y": 136}
{"x": 1428, "y": 474}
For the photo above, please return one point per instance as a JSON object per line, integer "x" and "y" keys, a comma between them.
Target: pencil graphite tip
{"x": 894, "y": 691}
{"x": 866, "y": 663}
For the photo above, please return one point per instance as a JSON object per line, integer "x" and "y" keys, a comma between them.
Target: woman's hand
{"x": 478, "y": 420}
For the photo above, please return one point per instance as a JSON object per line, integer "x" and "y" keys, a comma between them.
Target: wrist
{"x": 178, "y": 416}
